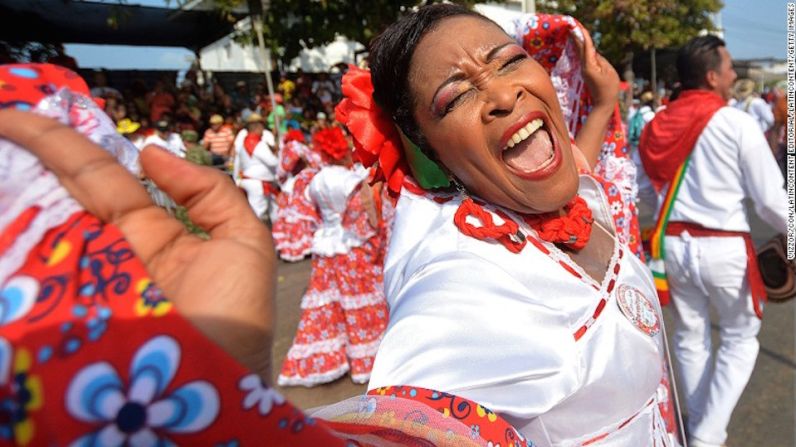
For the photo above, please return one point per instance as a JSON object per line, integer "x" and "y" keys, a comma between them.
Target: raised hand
{"x": 603, "y": 84}
{"x": 219, "y": 284}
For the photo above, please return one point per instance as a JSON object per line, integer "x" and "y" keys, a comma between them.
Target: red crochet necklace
{"x": 573, "y": 229}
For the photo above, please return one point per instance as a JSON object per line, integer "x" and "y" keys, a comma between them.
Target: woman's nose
{"x": 500, "y": 100}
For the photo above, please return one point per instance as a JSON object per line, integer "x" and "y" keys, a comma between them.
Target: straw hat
{"x": 744, "y": 88}
{"x": 254, "y": 118}
{"x": 127, "y": 126}
{"x": 216, "y": 119}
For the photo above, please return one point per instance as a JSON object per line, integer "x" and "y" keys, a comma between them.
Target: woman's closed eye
{"x": 456, "y": 101}
{"x": 513, "y": 61}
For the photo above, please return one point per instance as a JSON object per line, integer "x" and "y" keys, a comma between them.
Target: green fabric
{"x": 197, "y": 154}
{"x": 427, "y": 173}
{"x": 280, "y": 112}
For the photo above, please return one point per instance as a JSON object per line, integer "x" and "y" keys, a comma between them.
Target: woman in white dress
{"x": 505, "y": 279}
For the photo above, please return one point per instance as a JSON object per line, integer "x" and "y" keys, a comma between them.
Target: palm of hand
{"x": 222, "y": 285}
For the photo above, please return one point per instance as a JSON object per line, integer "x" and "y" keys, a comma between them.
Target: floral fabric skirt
{"x": 344, "y": 314}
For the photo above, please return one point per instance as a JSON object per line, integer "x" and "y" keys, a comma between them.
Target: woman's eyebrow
{"x": 494, "y": 51}
{"x": 459, "y": 76}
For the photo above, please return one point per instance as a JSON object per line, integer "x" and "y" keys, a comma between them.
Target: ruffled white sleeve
{"x": 461, "y": 324}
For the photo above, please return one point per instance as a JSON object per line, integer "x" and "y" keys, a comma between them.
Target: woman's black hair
{"x": 390, "y": 57}
{"x": 698, "y": 56}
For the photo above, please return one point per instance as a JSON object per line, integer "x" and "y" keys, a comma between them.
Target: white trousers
{"x": 262, "y": 204}
{"x": 710, "y": 272}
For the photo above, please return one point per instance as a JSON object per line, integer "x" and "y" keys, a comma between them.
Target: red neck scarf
{"x": 250, "y": 142}
{"x": 670, "y": 137}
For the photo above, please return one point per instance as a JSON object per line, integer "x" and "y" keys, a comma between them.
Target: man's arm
{"x": 761, "y": 176}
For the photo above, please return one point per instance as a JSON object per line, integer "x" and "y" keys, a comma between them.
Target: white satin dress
{"x": 531, "y": 336}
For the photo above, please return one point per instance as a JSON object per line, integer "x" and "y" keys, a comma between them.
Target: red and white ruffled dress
{"x": 296, "y": 220}
{"x": 344, "y": 312}
{"x": 296, "y": 217}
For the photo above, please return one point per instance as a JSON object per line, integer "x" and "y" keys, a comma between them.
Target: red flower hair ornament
{"x": 378, "y": 142}
{"x": 294, "y": 135}
{"x": 331, "y": 142}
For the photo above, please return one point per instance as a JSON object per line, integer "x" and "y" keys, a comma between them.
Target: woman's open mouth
{"x": 531, "y": 151}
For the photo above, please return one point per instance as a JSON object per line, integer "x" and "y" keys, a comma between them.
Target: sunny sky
{"x": 751, "y": 29}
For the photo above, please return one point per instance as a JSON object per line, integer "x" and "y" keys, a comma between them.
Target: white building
{"x": 228, "y": 55}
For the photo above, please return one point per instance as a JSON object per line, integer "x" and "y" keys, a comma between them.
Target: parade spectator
{"x": 704, "y": 159}
{"x": 218, "y": 138}
{"x": 286, "y": 87}
{"x": 195, "y": 152}
{"x": 115, "y": 108}
{"x": 101, "y": 88}
{"x": 324, "y": 89}
{"x": 240, "y": 97}
{"x": 132, "y": 131}
{"x": 321, "y": 122}
{"x": 746, "y": 99}
{"x": 159, "y": 101}
{"x": 640, "y": 118}
{"x": 279, "y": 113}
{"x": 165, "y": 138}
{"x": 303, "y": 85}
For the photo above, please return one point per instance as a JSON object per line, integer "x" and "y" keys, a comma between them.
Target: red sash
{"x": 250, "y": 142}
{"x": 670, "y": 137}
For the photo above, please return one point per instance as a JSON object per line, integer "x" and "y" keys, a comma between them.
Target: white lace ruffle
{"x": 314, "y": 379}
{"x": 363, "y": 350}
{"x": 348, "y": 302}
{"x": 302, "y": 351}
{"x": 25, "y": 183}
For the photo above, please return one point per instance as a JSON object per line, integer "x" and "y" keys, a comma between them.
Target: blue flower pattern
{"x": 140, "y": 414}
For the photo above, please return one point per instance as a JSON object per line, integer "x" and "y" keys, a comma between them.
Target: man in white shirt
{"x": 711, "y": 157}
{"x": 166, "y": 139}
{"x": 255, "y": 166}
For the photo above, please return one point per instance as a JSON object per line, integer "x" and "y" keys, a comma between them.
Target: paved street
{"x": 764, "y": 417}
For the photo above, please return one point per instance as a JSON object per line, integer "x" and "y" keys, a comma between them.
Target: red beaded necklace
{"x": 573, "y": 229}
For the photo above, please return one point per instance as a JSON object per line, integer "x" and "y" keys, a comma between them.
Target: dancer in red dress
{"x": 344, "y": 310}
{"x": 296, "y": 217}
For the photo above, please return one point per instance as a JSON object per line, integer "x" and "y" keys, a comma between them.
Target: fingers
{"x": 95, "y": 179}
{"x": 90, "y": 174}
{"x": 588, "y": 54}
{"x": 213, "y": 201}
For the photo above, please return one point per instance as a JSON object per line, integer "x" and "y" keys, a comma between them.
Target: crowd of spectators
{"x": 206, "y": 115}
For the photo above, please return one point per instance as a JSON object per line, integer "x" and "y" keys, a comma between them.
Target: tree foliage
{"x": 624, "y": 27}
{"x": 293, "y": 25}
{"x": 27, "y": 51}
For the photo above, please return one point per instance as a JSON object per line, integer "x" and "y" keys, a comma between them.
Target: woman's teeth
{"x": 525, "y": 132}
